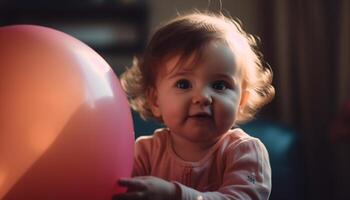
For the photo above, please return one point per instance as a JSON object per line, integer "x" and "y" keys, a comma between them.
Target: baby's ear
{"x": 152, "y": 99}
{"x": 244, "y": 98}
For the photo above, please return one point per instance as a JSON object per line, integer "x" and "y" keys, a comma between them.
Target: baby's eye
{"x": 220, "y": 85}
{"x": 183, "y": 84}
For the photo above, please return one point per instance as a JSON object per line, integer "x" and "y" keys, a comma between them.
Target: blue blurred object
{"x": 283, "y": 145}
{"x": 284, "y": 149}
{"x": 142, "y": 127}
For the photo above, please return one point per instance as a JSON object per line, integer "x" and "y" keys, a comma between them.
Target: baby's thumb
{"x": 134, "y": 184}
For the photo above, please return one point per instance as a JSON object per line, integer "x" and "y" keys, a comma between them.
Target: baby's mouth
{"x": 201, "y": 116}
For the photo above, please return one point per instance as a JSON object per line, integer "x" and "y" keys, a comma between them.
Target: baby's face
{"x": 199, "y": 103}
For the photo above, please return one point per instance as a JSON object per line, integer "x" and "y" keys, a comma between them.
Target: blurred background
{"x": 306, "y": 128}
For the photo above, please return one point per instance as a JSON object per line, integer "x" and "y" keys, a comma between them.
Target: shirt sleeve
{"x": 141, "y": 157}
{"x": 247, "y": 175}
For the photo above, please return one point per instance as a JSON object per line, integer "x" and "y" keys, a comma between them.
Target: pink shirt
{"x": 236, "y": 167}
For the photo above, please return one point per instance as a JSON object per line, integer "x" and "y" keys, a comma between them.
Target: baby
{"x": 200, "y": 75}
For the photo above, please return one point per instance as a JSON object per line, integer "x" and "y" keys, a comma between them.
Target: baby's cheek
{"x": 229, "y": 116}
{"x": 227, "y": 113}
{"x": 172, "y": 113}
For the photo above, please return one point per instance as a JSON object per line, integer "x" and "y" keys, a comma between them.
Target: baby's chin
{"x": 206, "y": 137}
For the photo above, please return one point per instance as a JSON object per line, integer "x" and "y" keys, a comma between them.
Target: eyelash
{"x": 180, "y": 84}
{"x": 186, "y": 84}
{"x": 221, "y": 83}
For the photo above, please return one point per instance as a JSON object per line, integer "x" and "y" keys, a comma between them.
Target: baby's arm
{"x": 247, "y": 175}
{"x": 142, "y": 186}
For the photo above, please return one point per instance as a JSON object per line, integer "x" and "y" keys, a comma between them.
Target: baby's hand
{"x": 146, "y": 187}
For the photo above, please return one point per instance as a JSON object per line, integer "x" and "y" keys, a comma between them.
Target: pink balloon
{"x": 65, "y": 125}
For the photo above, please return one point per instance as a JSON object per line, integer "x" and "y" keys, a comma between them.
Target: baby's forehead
{"x": 213, "y": 54}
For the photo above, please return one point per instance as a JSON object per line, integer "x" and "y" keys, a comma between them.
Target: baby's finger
{"x": 129, "y": 196}
{"x": 134, "y": 184}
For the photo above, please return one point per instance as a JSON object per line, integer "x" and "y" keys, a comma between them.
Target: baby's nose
{"x": 202, "y": 98}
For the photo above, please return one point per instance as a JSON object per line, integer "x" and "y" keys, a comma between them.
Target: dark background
{"x": 306, "y": 42}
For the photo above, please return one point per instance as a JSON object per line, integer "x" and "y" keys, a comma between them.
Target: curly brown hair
{"x": 189, "y": 34}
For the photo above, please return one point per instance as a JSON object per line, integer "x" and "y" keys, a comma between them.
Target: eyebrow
{"x": 225, "y": 76}
{"x": 179, "y": 73}
{"x": 214, "y": 76}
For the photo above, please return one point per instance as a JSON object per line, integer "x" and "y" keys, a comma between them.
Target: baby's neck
{"x": 188, "y": 150}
